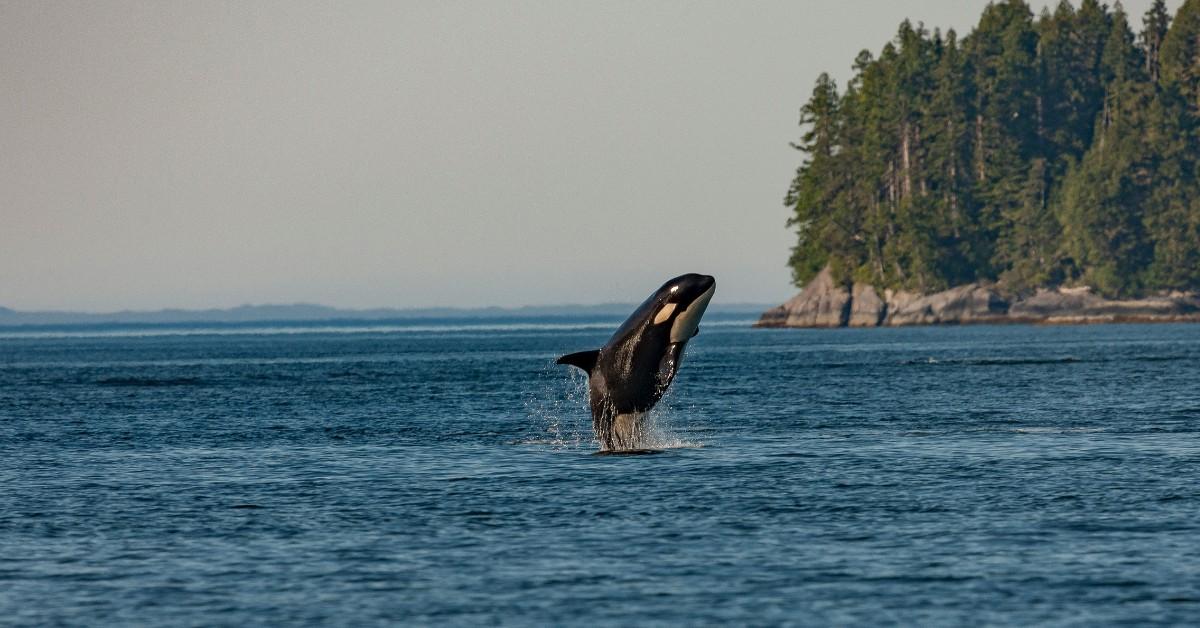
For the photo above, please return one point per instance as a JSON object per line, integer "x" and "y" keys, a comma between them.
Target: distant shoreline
{"x": 305, "y": 314}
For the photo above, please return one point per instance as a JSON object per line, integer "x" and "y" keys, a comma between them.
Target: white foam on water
{"x": 663, "y": 424}
{"x": 560, "y": 411}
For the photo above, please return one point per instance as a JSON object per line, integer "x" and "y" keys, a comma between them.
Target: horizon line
{"x": 336, "y": 308}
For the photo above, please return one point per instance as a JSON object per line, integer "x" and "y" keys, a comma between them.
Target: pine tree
{"x": 812, "y": 190}
{"x": 1173, "y": 214}
{"x": 949, "y": 116}
{"x": 1154, "y": 30}
{"x": 1180, "y": 55}
{"x": 1002, "y": 51}
{"x": 1070, "y": 47}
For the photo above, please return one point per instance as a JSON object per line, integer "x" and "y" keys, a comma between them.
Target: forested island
{"x": 1038, "y": 167}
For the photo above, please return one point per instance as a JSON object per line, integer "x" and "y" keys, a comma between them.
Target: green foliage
{"x": 1033, "y": 152}
{"x": 1180, "y": 56}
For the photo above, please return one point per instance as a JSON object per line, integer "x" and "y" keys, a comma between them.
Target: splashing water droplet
{"x": 558, "y": 409}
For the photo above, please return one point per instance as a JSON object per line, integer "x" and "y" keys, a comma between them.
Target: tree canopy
{"x": 1061, "y": 149}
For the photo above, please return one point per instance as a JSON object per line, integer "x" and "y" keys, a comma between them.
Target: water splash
{"x": 559, "y": 413}
{"x": 558, "y": 409}
{"x": 665, "y": 424}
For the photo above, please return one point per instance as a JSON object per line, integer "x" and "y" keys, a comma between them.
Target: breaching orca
{"x": 630, "y": 373}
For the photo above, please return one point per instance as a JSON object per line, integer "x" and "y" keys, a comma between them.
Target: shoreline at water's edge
{"x": 824, "y": 303}
{"x": 1052, "y": 321}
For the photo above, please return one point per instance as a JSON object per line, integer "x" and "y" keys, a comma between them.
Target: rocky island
{"x": 1040, "y": 169}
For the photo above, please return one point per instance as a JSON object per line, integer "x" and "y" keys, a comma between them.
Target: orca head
{"x": 681, "y": 302}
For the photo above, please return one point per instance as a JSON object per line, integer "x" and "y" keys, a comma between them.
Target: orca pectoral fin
{"x": 585, "y": 360}
{"x": 669, "y": 366}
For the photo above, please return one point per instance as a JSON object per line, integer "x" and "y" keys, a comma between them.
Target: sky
{"x": 410, "y": 154}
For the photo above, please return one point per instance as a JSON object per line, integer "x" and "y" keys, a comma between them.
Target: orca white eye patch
{"x": 664, "y": 313}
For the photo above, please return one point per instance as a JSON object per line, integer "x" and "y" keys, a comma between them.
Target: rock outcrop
{"x": 826, "y": 303}
{"x": 972, "y": 303}
{"x": 1081, "y": 305}
{"x": 866, "y": 308}
{"x": 821, "y": 304}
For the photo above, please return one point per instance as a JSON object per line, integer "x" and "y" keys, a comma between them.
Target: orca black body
{"x": 632, "y": 371}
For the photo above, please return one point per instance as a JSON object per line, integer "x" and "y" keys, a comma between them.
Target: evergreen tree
{"x": 1154, "y": 30}
{"x": 1180, "y": 56}
{"x": 1173, "y": 211}
{"x": 1002, "y": 51}
{"x": 1070, "y": 51}
{"x": 949, "y": 115}
{"x": 1103, "y": 238}
{"x": 812, "y": 190}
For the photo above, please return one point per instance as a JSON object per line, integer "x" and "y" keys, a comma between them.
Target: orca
{"x": 632, "y": 371}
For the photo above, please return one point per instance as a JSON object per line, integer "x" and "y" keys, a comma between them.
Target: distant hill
{"x": 304, "y": 312}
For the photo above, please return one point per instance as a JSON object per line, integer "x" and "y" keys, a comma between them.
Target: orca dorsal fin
{"x": 585, "y": 360}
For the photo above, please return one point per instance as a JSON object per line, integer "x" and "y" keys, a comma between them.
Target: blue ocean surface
{"x": 444, "y": 473}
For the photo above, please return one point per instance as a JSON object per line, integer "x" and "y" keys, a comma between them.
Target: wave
{"x": 1066, "y": 359}
{"x": 150, "y": 381}
{"x": 991, "y": 361}
{"x": 1058, "y": 430}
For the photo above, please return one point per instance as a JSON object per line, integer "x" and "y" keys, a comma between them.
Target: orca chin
{"x": 632, "y": 371}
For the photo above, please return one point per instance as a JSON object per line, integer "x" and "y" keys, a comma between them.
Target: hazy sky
{"x": 358, "y": 154}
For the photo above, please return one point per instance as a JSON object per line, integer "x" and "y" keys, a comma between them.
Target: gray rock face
{"x": 774, "y": 317}
{"x": 1081, "y": 305}
{"x": 971, "y": 303}
{"x": 823, "y": 303}
{"x": 820, "y": 304}
{"x": 866, "y": 308}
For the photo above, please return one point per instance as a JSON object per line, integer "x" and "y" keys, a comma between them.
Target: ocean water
{"x": 443, "y": 473}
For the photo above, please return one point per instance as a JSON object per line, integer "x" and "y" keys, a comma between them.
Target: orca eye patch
{"x": 664, "y": 313}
